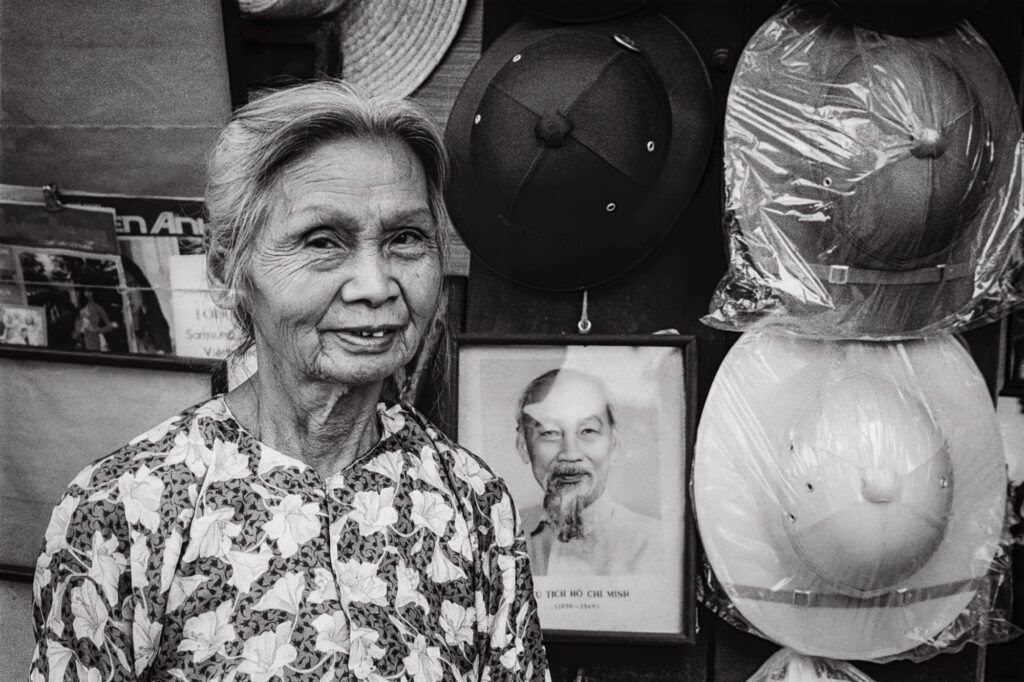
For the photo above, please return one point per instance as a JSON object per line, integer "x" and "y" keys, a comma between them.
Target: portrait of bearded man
{"x": 566, "y": 432}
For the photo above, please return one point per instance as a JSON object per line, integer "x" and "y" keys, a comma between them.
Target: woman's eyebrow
{"x": 414, "y": 215}
{"x": 418, "y": 215}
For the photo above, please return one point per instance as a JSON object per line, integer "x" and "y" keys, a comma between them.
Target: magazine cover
{"x": 22, "y": 325}
{"x": 66, "y": 264}
{"x": 151, "y": 233}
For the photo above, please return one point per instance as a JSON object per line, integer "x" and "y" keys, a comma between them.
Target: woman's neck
{"x": 321, "y": 424}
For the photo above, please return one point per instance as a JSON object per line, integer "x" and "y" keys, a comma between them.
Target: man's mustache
{"x": 566, "y": 471}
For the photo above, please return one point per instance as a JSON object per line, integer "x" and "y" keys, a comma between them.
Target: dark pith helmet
{"x": 576, "y": 147}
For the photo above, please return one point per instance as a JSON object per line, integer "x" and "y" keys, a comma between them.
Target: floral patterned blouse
{"x": 198, "y": 553}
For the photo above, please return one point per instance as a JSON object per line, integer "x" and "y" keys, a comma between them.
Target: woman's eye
{"x": 413, "y": 242}
{"x": 321, "y": 241}
{"x": 407, "y": 238}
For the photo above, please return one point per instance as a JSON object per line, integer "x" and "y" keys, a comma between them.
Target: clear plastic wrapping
{"x": 851, "y": 497}
{"x": 873, "y": 182}
{"x": 787, "y": 665}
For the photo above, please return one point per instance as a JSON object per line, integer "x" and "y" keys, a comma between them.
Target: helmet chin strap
{"x": 844, "y": 274}
{"x": 893, "y": 599}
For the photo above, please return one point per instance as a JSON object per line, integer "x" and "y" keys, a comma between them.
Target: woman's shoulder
{"x": 212, "y": 410}
{"x": 170, "y": 445}
{"x": 142, "y": 484}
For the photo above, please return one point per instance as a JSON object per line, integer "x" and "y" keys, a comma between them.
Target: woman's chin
{"x": 333, "y": 363}
{"x": 354, "y": 372}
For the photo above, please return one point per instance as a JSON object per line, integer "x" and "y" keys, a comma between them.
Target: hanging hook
{"x": 51, "y": 194}
{"x": 584, "y": 324}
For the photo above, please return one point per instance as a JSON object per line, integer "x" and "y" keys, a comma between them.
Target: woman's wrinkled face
{"x": 347, "y": 270}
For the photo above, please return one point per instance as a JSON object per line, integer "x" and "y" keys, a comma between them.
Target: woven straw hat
{"x": 277, "y": 10}
{"x": 389, "y": 47}
{"x": 860, "y": 518}
{"x": 580, "y": 11}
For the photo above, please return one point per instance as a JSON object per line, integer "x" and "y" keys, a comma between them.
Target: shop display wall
{"x": 671, "y": 290}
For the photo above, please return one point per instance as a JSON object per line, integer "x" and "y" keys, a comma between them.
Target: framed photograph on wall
{"x": 594, "y": 439}
{"x": 63, "y": 410}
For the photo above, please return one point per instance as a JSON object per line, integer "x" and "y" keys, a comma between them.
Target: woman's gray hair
{"x": 270, "y": 132}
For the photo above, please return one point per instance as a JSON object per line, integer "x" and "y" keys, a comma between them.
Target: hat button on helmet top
{"x": 552, "y": 128}
{"x": 930, "y": 144}
{"x": 879, "y": 486}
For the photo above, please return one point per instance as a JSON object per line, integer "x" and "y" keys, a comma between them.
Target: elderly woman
{"x": 301, "y": 527}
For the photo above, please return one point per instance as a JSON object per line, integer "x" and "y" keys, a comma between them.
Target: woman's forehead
{"x": 348, "y": 178}
{"x": 356, "y": 161}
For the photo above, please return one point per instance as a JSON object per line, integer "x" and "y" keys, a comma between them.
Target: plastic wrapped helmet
{"x": 873, "y": 181}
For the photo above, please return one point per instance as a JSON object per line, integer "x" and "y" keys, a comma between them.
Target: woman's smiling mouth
{"x": 372, "y": 339}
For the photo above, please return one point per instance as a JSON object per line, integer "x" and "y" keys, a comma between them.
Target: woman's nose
{"x": 368, "y": 279}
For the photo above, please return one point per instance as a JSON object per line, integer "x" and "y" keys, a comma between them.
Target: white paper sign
{"x": 201, "y": 329}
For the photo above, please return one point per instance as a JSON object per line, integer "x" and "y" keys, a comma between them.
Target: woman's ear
{"x": 225, "y": 297}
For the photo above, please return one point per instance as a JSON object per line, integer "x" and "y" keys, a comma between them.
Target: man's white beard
{"x": 564, "y": 506}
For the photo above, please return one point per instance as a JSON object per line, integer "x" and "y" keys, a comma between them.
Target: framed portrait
{"x": 594, "y": 438}
{"x": 63, "y": 410}
{"x": 153, "y": 233}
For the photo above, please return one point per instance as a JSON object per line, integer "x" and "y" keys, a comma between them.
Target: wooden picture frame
{"x": 63, "y": 410}
{"x": 594, "y": 437}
